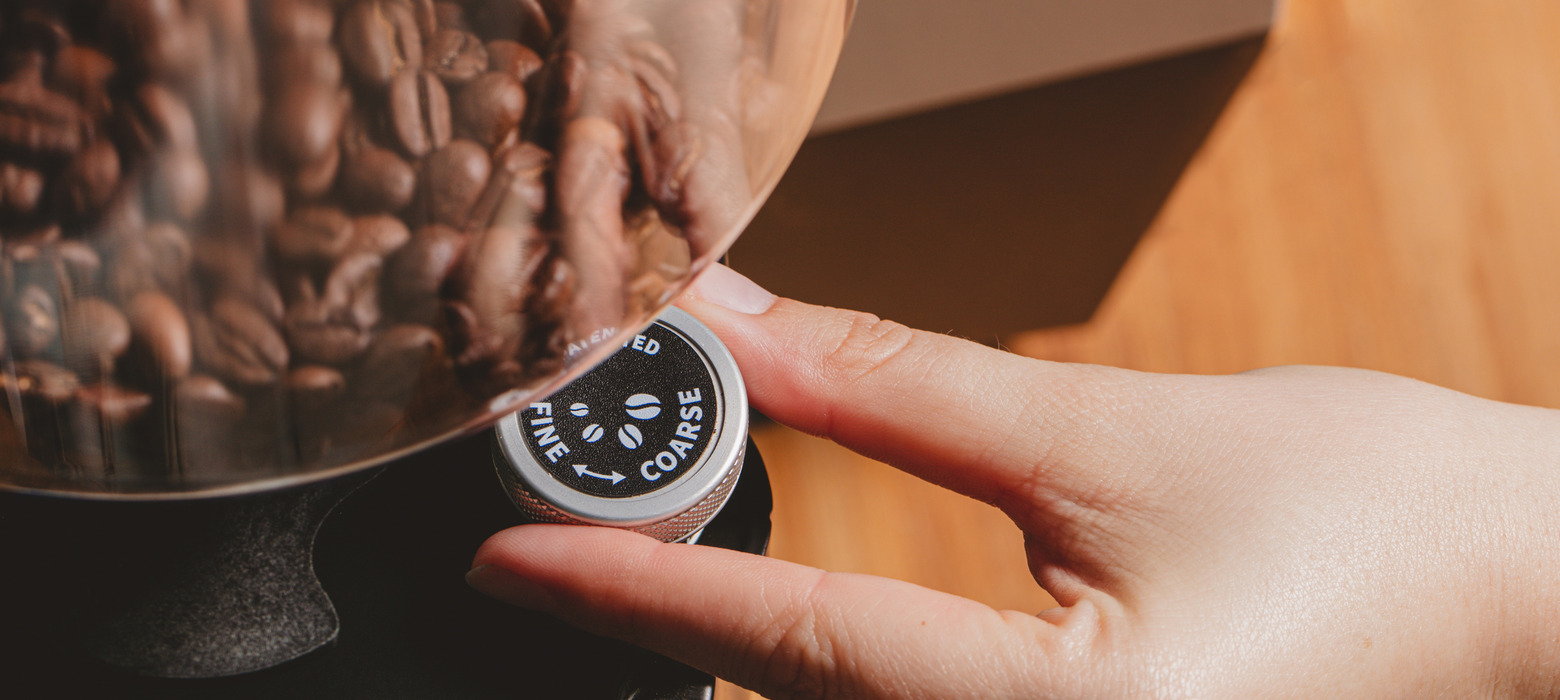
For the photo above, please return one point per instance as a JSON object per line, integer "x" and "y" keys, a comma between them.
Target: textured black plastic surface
{"x": 392, "y": 558}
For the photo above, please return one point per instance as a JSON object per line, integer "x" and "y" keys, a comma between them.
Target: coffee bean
{"x": 37, "y": 121}
{"x": 20, "y": 189}
{"x": 81, "y": 264}
{"x": 489, "y": 108}
{"x": 454, "y": 179}
{"x": 168, "y": 119}
{"x": 205, "y": 395}
{"x": 314, "y": 235}
{"x": 333, "y": 327}
{"x": 631, "y": 437}
{"x": 303, "y": 122}
{"x": 48, "y": 382}
{"x": 379, "y": 39}
{"x": 378, "y": 234}
{"x": 297, "y": 22}
{"x": 306, "y": 62}
{"x": 206, "y": 416}
{"x": 89, "y": 180}
{"x": 642, "y": 407}
{"x": 593, "y": 433}
{"x": 456, "y": 56}
{"x": 82, "y": 73}
{"x": 314, "y": 387}
{"x": 180, "y": 183}
{"x": 414, "y": 274}
{"x": 112, "y": 404}
{"x": 160, "y": 331}
{"x": 94, "y": 334}
{"x": 158, "y": 36}
{"x": 239, "y": 344}
{"x": 376, "y": 179}
{"x": 495, "y": 274}
{"x": 249, "y": 198}
{"x": 513, "y": 19}
{"x": 397, "y": 359}
{"x": 517, "y": 192}
{"x": 419, "y": 112}
{"x": 514, "y": 58}
{"x": 32, "y": 322}
{"x": 450, "y": 15}
{"x": 315, "y": 179}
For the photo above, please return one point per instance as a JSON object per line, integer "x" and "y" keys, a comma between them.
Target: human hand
{"x": 1293, "y": 532}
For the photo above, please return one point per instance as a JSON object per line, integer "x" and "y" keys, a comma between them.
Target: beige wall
{"x": 905, "y": 56}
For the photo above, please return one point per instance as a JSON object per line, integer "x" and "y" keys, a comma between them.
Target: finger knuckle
{"x": 864, "y": 344}
{"x": 799, "y": 660}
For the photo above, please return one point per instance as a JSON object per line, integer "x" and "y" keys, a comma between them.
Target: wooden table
{"x": 1382, "y": 192}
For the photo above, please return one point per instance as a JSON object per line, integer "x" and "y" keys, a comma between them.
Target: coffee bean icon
{"x": 580, "y": 410}
{"x": 630, "y": 437}
{"x": 643, "y": 406}
{"x": 593, "y": 432}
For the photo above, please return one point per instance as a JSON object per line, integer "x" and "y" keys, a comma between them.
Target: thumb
{"x": 783, "y": 629}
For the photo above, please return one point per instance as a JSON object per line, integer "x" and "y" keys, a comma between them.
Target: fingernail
{"x": 725, "y": 287}
{"x": 504, "y": 585}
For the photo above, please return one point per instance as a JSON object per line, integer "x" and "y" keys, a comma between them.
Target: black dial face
{"x": 634, "y": 425}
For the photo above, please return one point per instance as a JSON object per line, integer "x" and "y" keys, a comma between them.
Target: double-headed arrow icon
{"x": 584, "y": 470}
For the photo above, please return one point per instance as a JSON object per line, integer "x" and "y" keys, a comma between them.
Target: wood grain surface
{"x": 1382, "y": 192}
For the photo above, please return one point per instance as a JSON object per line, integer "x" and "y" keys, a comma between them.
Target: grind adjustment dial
{"x": 652, "y": 440}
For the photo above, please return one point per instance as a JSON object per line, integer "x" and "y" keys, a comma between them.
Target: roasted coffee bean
{"x": 303, "y": 122}
{"x": 249, "y": 198}
{"x": 94, "y": 333}
{"x": 159, "y": 260}
{"x": 495, "y": 275}
{"x": 312, "y": 63}
{"x": 180, "y": 184}
{"x": 450, "y": 15}
{"x": 90, "y": 179}
{"x": 514, "y": 58}
{"x": 314, "y": 235}
{"x": 167, "y": 119}
{"x": 239, "y": 344}
{"x": 513, "y": 19}
{"x": 333, "y": 327}
{"x": 454, "y": 179}
{"x": 414, "y": 274}
{"x": 489, "y": 108}
{"x": 378, "y": 234}
{"x": 20, "y": 189}
{"x": 205, "y": 395}
{"x": 517, "y": 192}
{"x": 419, "y": 112}
{"x": 315, "y": 179}
{"x": 398, "y": 358}
{"x": 161, "y": 333}
{"x": 297, "y": 21}
{"x": 80, "y": 263}
{"x": 376, "y": 179}
{"x": 314, "y": 388}
{"x": 37, "y": 121}
{"x": 114, "y": 405}
{"x": 206, "y": 418}
{"x": 456, "y": 56}
{"x": 45, "y": 381}
{"x": 82, "y": 73}
{"x": 32, "y": 322}
{"x": 159, "y": 38}
{"x": 379, "y": 39}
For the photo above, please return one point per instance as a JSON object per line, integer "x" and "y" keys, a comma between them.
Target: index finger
{"x": 981, "y": 421}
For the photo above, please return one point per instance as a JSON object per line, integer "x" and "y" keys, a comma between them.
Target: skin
{"x": 1293, "y": 532}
